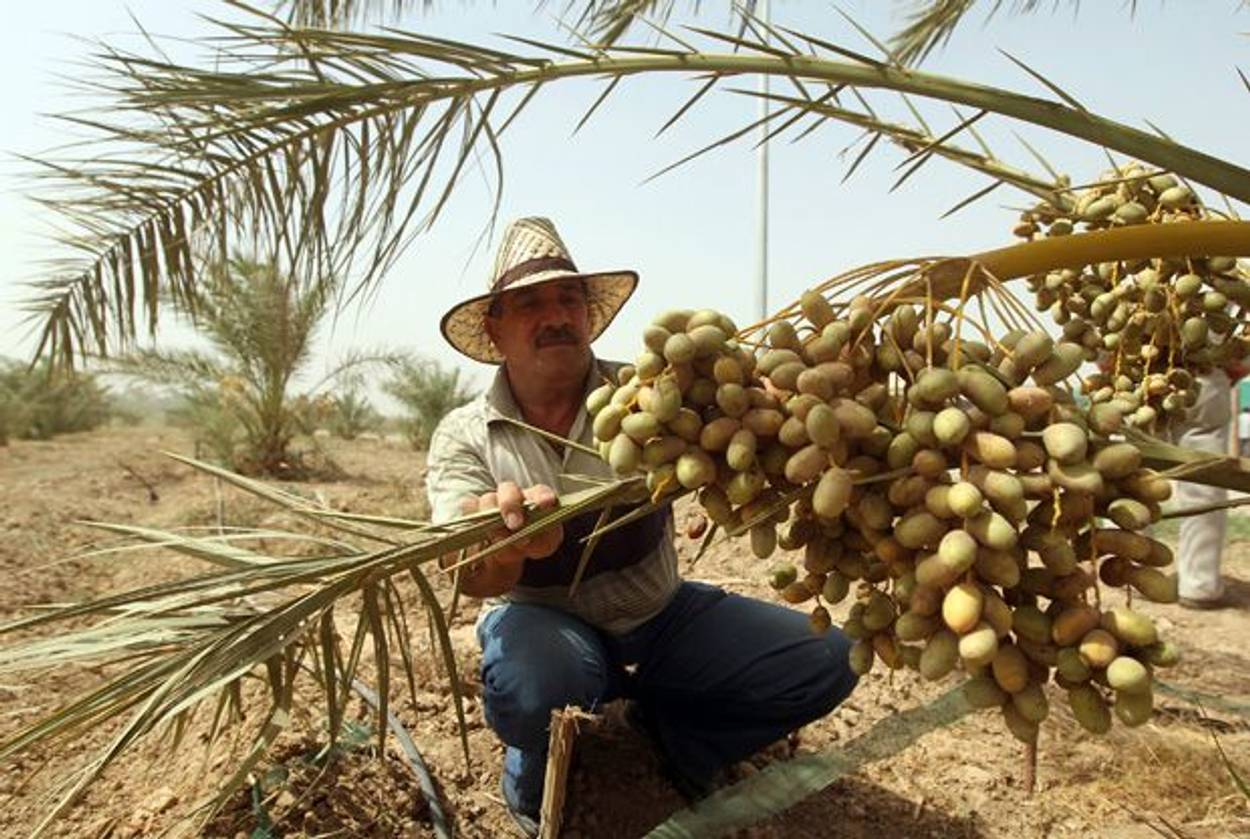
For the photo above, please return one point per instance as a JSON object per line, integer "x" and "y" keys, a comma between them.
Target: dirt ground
{"x": 1164, "y": 779}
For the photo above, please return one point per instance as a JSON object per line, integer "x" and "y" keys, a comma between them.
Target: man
{"x": 713, "y": 676}
{"x": 1200, "y": 548}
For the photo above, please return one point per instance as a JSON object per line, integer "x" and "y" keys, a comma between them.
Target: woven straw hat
{"x": 531, "y": 253}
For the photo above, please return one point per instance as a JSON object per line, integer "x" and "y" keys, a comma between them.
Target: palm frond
{"x": 173, "y": 367}
{"x": 606, "y": 21}
{"x": 930, "y": 24}
{"x": 918, "y": 142}
{"x": 333, "y": 148}
{"x": 324, "y": 14}
{"x": 187, "y": 641}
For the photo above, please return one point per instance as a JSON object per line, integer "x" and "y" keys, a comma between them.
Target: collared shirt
{"x": 632, "y": 573}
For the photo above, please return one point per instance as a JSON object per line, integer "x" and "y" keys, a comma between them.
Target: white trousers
{"x": 1203, "y": 537}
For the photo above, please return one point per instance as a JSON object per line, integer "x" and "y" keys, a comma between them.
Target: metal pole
{"x": 761, "y": 297}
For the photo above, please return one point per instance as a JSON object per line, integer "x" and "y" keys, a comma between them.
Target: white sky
{"x": 691, "y": 233}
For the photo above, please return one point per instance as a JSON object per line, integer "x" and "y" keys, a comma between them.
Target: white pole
{"x": 761, "y": 297}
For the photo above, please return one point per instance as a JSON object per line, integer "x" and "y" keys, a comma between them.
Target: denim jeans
{"x": 719, "y": 675}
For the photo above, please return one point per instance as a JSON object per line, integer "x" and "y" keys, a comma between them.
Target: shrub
{"x": 39, "y": 403}
{"x": 427, "y": 392}
{"x": 352, "y": 414}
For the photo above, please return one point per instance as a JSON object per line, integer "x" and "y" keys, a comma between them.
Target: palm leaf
{"x": 917, "y": 142}
{"x": 932, "y": 22}
{"x": 252, "y": 147}
{"x": 189, "y": 640}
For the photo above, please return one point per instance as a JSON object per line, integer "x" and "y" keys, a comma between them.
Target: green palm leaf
{"x": 333, "y": 148}
{"x": 191, "y": 640}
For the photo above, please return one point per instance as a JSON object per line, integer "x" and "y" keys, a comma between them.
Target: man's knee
{"x": 840, "y": 678}
{"x": 818, "y": 677}
{"x": 519, "y": 696}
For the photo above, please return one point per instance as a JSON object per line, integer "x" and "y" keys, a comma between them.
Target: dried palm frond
{"x": 187, "y": 644}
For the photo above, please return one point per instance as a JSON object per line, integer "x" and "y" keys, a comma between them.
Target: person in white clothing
{"x": 1203, "y": 537}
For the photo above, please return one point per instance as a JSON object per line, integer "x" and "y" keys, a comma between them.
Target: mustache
{"x": 556, "y": 335}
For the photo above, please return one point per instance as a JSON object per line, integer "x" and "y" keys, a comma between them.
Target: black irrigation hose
{"x": 442, "y": 828}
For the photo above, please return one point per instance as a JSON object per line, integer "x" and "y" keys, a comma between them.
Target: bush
{"x": 427, "y": 392}
{"x": 215, "y": 428}
{"x": 352, "y": 414}
{"x": 39, "y": 403}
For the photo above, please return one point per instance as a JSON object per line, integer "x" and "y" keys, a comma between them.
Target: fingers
{"x": 510, "y": 501}
{"x": 541, "y": 496}
{"x": 544, "y": 544}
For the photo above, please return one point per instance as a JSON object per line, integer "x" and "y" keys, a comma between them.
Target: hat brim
{"x": 606, "y": 292}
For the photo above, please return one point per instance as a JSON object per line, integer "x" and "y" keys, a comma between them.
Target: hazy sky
{"x": 691, "y": 233}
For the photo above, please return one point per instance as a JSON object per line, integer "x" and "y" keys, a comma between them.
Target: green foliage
{"x": 37, "y": 403}
{"x": 215, "y": 429}
{"x": 317, "y": 162}
{"x": 352, "y": 414}
{"x": 236, "y": 398}
{"x": 428, "y": 392}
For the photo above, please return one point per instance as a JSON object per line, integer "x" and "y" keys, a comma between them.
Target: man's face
{"x": 544, "y": 326}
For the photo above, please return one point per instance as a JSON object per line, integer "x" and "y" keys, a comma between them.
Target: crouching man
{"x": 713, "y": 676}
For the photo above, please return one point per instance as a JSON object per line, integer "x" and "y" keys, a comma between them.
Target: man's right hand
{"x": 500, "y": 572}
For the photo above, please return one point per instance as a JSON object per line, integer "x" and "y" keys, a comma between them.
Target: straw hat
{"x": 531, "y": 253}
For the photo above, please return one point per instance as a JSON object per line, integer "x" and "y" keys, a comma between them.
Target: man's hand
{"x": 500, "y": 572}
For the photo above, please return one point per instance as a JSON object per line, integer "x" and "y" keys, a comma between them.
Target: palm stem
{"x": 1198, "y": 239}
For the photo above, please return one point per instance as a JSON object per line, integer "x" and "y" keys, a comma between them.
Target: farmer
{"x": 714, "y": 676}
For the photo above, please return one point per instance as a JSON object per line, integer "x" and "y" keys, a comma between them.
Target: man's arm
{"x": 459, "y": 483}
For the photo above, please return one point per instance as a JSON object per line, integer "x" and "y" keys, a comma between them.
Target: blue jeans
{"x": 719, "y": 675}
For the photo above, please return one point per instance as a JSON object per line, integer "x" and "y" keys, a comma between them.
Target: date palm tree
{"x": 260, "y": 323}
{"x": 427, "y": 392}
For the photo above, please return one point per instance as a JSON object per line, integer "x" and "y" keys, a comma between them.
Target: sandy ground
{"x": 1165, "y": 778}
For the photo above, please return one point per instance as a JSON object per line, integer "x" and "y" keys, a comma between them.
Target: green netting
{"x": 782, "y": 785}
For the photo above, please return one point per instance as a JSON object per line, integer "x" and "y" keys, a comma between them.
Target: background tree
{"x": 351, "y": 413}
{"x": 260, "y": 323}
{"x": 427, "y": 391}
